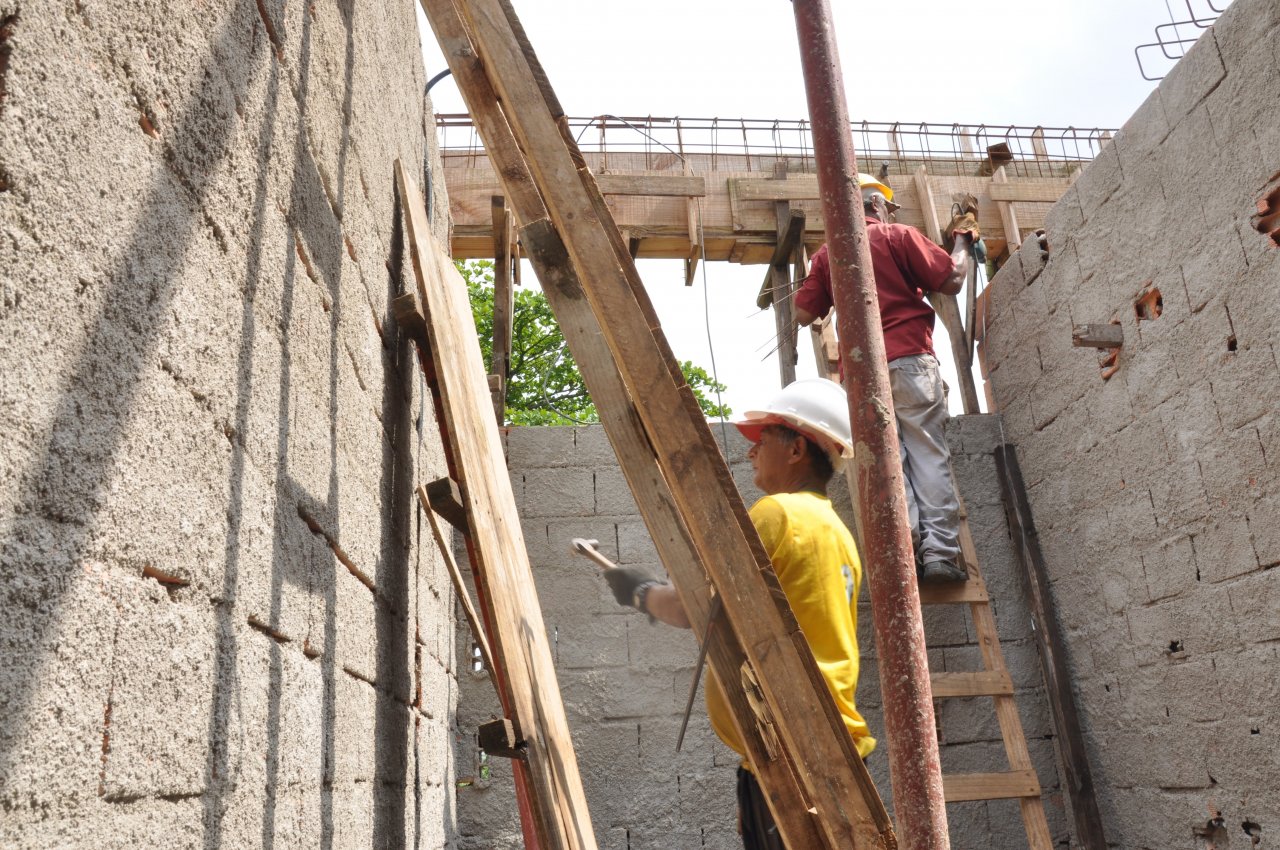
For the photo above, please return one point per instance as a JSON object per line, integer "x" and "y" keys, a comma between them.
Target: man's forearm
{"x": 663, "y": 603}
{"x": 961, "y": 265}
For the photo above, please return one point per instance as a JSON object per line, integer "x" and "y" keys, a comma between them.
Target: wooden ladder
{"x": 1019, "y": 781}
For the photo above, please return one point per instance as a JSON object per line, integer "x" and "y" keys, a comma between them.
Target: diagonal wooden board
{"x": 547, "y": 253}
{"x": 519, "y": 637}
{"x": 848, "y": 810}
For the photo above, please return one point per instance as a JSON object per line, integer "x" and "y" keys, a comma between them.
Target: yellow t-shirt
{"x": 817, "y": 564}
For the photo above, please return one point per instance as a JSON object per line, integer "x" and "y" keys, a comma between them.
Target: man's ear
{"x": 799, "y": 450}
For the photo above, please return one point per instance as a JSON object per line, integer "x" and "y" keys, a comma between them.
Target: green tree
{"x": 545, "y": 387}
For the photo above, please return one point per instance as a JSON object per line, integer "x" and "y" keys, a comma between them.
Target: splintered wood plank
{"x": 849, "y": 811}
{"x": 547, "y": 253}
{"x": 519, "y": 638}
{"x": 967, "y": 787}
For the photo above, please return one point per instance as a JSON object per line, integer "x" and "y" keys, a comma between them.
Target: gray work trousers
{"x": 921, "y": 406}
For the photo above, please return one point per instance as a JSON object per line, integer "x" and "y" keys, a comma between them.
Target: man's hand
{"x": 625, "y": 582}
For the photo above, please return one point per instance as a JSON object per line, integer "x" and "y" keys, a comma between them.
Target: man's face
{"x": 772, "y": 460}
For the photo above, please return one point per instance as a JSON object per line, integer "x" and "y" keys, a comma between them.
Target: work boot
{"x": 942, "y": 572}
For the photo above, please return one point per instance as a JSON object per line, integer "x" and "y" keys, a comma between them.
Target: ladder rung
{"x": 985, "y": 683}
{"x": 958, "y": 591}
{"x": 965, "y": 787}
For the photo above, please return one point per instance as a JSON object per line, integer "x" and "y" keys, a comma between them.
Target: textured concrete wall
{"x": 1156, "y": 491}
{"x": 625, "y": 681}
{"x": 218, "y": 626}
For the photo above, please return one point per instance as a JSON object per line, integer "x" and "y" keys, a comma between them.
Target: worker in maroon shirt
{"x": 906, "y": 265}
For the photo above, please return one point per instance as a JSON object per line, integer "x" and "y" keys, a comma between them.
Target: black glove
{"x": 627, "y": 584}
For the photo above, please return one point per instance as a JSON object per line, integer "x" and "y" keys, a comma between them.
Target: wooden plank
{"x": 459, "y": 586}
{"x": 834, "y": 777}
{"x": 968, "y": 787}
{"x": 622, "y": 422}
{"x": 660, "y": 185}
{"x": 503, "y": 305}
{"x": 519, "y": 637}
{"x": 984, "y": 683}
{"x": 1077, "y": 773}
{"x": 444, "y": 497}
{"x": 799, "y": 187}
{"x": 1038, "y": 193}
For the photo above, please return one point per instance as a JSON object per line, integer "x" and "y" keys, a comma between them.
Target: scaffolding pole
{"x": 881, "y": 500}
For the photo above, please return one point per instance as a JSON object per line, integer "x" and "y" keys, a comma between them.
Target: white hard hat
{"x": 815, "y": 407}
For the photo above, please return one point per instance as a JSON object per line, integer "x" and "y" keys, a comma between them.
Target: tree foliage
{"x": 544, "y": 386}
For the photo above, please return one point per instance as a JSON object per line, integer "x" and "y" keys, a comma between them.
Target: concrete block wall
{"x": 1155, "y": 491}
{"x": 219, "y": 625}
{"x": 624, "y": 680}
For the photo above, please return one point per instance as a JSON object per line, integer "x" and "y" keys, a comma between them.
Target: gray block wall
{"x": 625, "y": 681}
{"x": 1155, "y": 490}
{"x": 219, "y": 625}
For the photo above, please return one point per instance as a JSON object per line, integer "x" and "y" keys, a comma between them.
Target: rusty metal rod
{"x": 881, "y": 500}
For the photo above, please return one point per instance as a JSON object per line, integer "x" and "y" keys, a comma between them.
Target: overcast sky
{"x": 1008, "y": 62}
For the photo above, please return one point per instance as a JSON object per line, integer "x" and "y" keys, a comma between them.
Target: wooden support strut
{"x": 1077, "y": 774}
{"x": 688, "y": 479}
{"x": 503, "y": 305}
{"x": 530, "y": 690}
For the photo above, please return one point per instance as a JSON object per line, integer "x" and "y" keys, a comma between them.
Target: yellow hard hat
{"x": 866, "y": 181}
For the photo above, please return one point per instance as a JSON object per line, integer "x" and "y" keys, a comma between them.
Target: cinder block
{"x": 163, "y": 685}
{"x": 1265, "y": 529}
{"x": 1169, "y": 567}
{"x": 1246, "y": 696}
{"x": 1192, "y": 78}
{"x": 536, "y": 447}
{"x": 1234, "y": 469}
{"x": 613, "y": 494}
{"x": 559, "y": 492}
{"x": 978, "y": 434}
{"x": 1244, "y": 384}
{"x": 1192, "y": 691}
{"x": 1098, "y": 182}
{"x": 1193, "y": 624}
{"x": 1063, "y": 218}
{"x": 592, "y": 448}
{"x": 579, "y": 642}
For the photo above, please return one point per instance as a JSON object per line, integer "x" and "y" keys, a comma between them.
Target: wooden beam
{"x": 834, "y": 779}
{"x": 784, "y": 320}
{"x": 459, "y": 585}
{"x": 1012, "y": 236}
{"x": 500, "y": 738}
{"x": 1077, "y": 774}
{"x": 653, "y": 185}
{"x": 789, "y": 235}
{"x": 502, "y": 563}
{"x": 1037, "y": 143}
{"x": 445, "y": 498}
{"x": 1097, "y": 336}
{"x": 503, "y": 304}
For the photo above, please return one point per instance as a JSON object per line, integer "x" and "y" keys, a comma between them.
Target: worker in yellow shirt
{"x": 799, "y": 440}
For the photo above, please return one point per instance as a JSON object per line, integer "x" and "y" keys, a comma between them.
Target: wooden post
{"x": 945, "y": 305}
{"x": 503, "y": 305}
{"x": 1007, "y": 217}
{"x": 780, "y": 283}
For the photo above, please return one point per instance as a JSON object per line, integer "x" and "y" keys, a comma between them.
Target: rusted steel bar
{"x": 881, "y": 500}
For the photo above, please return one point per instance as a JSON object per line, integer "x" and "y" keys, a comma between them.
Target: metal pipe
{"x": 881, "y": 500}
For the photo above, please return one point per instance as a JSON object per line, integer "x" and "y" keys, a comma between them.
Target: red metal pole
{"x": 881, "y": 500}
